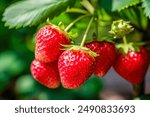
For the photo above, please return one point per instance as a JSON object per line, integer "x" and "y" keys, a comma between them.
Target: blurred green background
{"x": 16, "y": 54}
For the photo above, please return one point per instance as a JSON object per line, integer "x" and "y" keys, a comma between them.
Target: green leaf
{"x": 32, "y": 12}
{"x": 122, "y": 4}
{"x": 146, "y": 5}
{"x": 136, "y": 16}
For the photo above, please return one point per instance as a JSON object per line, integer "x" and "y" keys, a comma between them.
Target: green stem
{"x": 138, "y": 89}
{"x": 125, "y": 40}
{"x": 86, "y": 32}
{"x": 94, "y": 3}
{"x": 88, "y": 6}
{"x": 96, "y": 26}
{"x": 76, "y": 10}
{"x": 75, "y": 21}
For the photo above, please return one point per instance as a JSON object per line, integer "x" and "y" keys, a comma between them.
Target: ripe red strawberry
{"x": 106, "y": 58}
{"x": 75, "y": 67}
{"x": 132, "y": 66}
{"x": 46, "y": 74}
{"x": 48, "y": 43}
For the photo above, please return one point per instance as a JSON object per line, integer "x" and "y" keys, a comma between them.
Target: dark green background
{"x": 17, "y": 53}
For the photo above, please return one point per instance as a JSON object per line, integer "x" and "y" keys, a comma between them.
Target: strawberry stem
{"x": 96, "y": 26}
{"x": 76, "y": 10}
{"x": 75, "y": 21}
{"x": 48, "y": 21}
{"x": 86, "y": 32}
{"x": 138, "y": 89}
{"x": 88, "y": 6}
{"x": 125, "y": 40}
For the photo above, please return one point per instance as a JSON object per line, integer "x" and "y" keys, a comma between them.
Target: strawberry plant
{"x": 78, "y": 38}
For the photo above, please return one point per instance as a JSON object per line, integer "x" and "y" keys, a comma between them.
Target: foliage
{"x": 120, "y": 5}
{"x": 146, "y": 4}
{"x": 32, "y": 12}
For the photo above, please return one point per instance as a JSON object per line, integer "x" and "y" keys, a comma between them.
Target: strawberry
{"x": 48, "y": 43}
{"x": 133, "y": 65}
{"x": 75, "y": 67}
{"x": 46, "y": 74}
{"x": 107, "y": 56}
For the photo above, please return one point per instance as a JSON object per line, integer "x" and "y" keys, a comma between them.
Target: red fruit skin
{"x": 48, "y": 43}
{"x": 133, "y": 66}
{"x": 106, "y": 56}
{"x": 75, "y": 67}
{"x": 46, "y": 74}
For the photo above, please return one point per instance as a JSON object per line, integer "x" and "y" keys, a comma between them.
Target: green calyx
{"x": 76, "y": 47}
{"x": 60, "y": 26}
{"x": 120, "y": 28}
{"x": 126, "y": 47}
{"x": 72, "y": 34}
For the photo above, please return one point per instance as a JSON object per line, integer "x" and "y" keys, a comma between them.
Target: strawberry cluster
{"x": 73, "y": 66}
{"x": 47, "y": 51}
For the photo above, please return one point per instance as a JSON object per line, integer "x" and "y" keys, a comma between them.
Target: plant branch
{"x": 96, "y": 26}
{"x": 76, "y": 10}
{"x": 125, "y": 40}
{"x": 138, "y": 89}
{"x": 75, "y": 21}
{"x": 86, "y": 32}
{"x": 88, "y": 6}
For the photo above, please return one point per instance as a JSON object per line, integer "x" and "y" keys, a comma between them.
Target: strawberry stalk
{"x": 76, "y": 10}
{"x": 88, "y": 12}
{"x": 86, "y": 32}
{"x": 138, "y": 89}
{"x": 88, "y": 6}
{"x": 75, "y": 21}
{"x": 125, "y": 40}
{"x": 96, "y": 23}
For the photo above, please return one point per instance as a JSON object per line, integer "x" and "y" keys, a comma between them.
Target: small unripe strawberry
{"x": 46, "y": 74}
{"x": 48, "y": 43}
{"x": 75, "y": 67}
